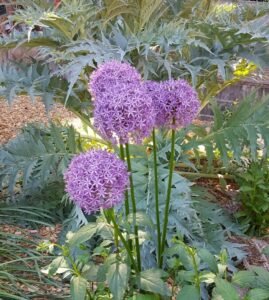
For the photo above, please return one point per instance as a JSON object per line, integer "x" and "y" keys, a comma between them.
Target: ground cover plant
{"x": 137, "y": 74}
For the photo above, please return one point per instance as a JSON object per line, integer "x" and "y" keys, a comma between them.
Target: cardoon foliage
{"x": 175, "y": 101}
{"x": 112, "y": 74}
{"x": 96, "y": 179}
{"x": 123, "y": 109}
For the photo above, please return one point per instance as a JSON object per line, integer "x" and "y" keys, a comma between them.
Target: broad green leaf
{"x": 78, "y": 288}
{"x": 90, "y": 272}
{"x": 224, "y": 291}
{"x": 209, "y": 258}
{"x": 84, "y": 234}
{"x": 117, "y": 278}
{"x": 142, "y": 219}
{"x": 144, "y": 297}
{"x": 265, "y": 251}
{"x": 57, "y": 263}
{"x": 258, "y": 294}
{"x": 263, "y": 277}
{"x": 189, "y": 292}
{"x": 151, "y": 281}
{"x": 244, "y": 279}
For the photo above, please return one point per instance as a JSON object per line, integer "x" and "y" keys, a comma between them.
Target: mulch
{"x": 23, "y": 111}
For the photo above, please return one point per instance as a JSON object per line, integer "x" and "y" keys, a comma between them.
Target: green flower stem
{"x": 133, "y": 206}
{"x": 109, "y": 214}
{"x": 168, "y": 197}
{"x": 126, "y": 202}
{"x": 125, "y": 244}
{"x": 156, "y": 187}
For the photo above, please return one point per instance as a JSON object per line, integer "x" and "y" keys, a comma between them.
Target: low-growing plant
{"x": 98, "y": 270}
{"x": 254, "y": 197}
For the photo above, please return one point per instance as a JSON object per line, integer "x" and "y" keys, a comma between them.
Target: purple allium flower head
{"x": 124, "y": 114}
{"x": 110, "y": 75}
{"x": 174, "y": 101}
{"x": 96, "y": 179}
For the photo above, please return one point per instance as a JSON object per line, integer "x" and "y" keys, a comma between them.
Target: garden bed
{"x": 23, "y": 111}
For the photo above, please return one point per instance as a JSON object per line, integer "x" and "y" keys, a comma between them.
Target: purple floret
{"x": 123, "y": 110}
{"x": 176, "y": 103}
{"x": 124, "y": 115}
{"x": 112, "y": 74}
{"x": 96, "y": 179}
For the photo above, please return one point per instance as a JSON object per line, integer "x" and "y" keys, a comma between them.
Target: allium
{"x": 176, "y": 103}
{"x": 124, "y": 114}
{"x": 112, "y": 74}
{"x": 96, "y": 179}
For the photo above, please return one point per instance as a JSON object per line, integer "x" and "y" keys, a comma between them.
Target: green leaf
{"x": 265, "y": 251}
{"x": 90, "y": 272}
{"x": 258, "y": 294}
{"x": 189, "y": 292}
{"x": 263, "y": 277}
{"x": 84, "y": 234}
{"x": 142, "y": 219}
{"x": 225, "y": 290}
{"x": 151, "y": 281}
{"x": 117, "y": 278}
{"x": 55, "y": 265}
{"x": 78, "y": 288}
{"x": 209, "y": 258}
{"x": 244, "y": 279}
{"x": 144, "y": 297}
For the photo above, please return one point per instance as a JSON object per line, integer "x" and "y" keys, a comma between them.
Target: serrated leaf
{"x": 117, "y": 278}
{"x": 224, "y": 291}
{"x": 262, "y": 277}
{"x": 244, "y": 278}
{"x": 55, "y": 265}
{"x": 84, "y": 234}
{"x": 258, "y": 294}
{"x": 151, "y": 281}
{"x": 208, "y": 258}
{"x": 78, "y": 288}
{"x": 189, "y": 292}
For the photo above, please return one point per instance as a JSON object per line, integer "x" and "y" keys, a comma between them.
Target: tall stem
{"x": 126, "y": 202}
{"x": 133, "y": 206}
{"x": 125, "y": 244}
{"x": 168, "y": 197}
{"x": 156, "y": 188}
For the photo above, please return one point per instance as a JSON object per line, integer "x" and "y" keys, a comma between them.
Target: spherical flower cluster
{"x": 112, "y": 74}
{"x": 123, "y": 109}
{"x": 176, "y": 103}
{"x": 123, "y": 115}
{"x": 158, "y": 96}
{"x": 96, "y": 179}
